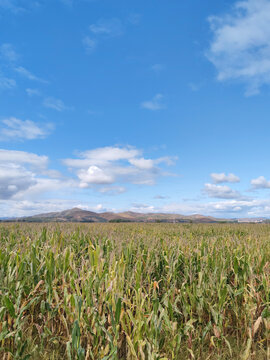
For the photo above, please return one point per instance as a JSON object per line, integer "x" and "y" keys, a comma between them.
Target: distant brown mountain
{"x": 79, "y": 215}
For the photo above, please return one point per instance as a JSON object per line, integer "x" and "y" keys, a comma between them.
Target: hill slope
{"x": 79, "y": 215}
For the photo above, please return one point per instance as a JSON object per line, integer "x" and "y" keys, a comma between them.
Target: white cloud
{"x": 260, "y": 183}
{"x": 13, "y": 179}
{"x": 142, "y": 208}
{"x": 240, "y": 49}
{"x": 227, "y": 208}
{"x": 94, "y": 175}
{"x": 142, "y": 163}
{"x": 32, "y": 92}
{"x": 8, "y": 52}
{"x": 55, "y": 104}
{"x": 154, "y": 104}
{"x": 24, "y": 176}
{"x": 108, "y": 27}
{"x": 7, "y": 83}
{"x": 22, "y": 157}
{"x": 223, "y": 178}
{"x": 18, "y": 208}
{"x": 103, "y": 156}
{"x": 112, "y": 165}
{"x": 103, "y": 28}
{"x": 89, "y": 43}
{"x": 221, "y": 192}
{"x": 28, "y": 75}
{"x": 15, "y": 174}
{"x": 17, "y": 129}
{"x": 112, "y": 190}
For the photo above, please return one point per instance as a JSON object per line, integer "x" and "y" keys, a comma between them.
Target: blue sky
{"x": 150, "y": 106}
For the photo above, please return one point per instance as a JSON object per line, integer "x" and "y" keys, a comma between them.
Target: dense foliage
{"x": 134, "y": 291}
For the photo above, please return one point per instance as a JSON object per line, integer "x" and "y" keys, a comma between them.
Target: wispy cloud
{"x": 107, "y": 27}
{"x": 240, "y": 49}
{"x": 154, "y": 104}
{"x": 55, "y": 104}
{"x": 18, "y": 6}
{"x": 89, "y": 43}
{"x": 16, "y": 129}
{"x": 32, "y": 92}
{"x": 8, "y": 52}
{"x": 7, "y": 83}
{"x": 27, "y": 74}
{"x": 102, "y": 29}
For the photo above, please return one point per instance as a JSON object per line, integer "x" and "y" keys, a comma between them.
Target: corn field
{"x": 134, "y": 291}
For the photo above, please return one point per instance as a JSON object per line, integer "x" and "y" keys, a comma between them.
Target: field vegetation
{"x": 134, "y": 291}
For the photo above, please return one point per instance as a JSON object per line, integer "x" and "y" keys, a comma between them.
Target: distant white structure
{"x": 254, "y": 221}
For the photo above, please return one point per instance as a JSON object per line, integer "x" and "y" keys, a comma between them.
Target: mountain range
{"x": 80, "y": 215}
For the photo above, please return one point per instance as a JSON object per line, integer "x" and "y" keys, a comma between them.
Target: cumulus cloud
{"x": 260, "y": 183}
{"x": 240, "y": 49}
{"x": 25, "y": 175}
{"x": 221, "y": 192}
{"x": 17, "y": 171}
{"x": 113, "y": 165}
{"x": 13, "y": 128}
{"x": 219, "y": 178}
{"x": 94, "y": 175}
{"x": 154, "y": 104}
{"x": 14, "y": 179}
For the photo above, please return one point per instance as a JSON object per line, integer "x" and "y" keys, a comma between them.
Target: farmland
{"x": 134, "y": 291}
